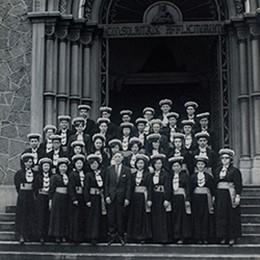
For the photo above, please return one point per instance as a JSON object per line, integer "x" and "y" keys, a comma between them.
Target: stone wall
{"x": 15, "y": 84}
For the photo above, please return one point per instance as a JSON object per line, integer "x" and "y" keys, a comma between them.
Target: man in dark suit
{"x": 165, "y": 106}
{"x": 80, "y": 135}
{"x": 204, "y": 150}
{"x": 38, "y": 153}
{"x": 90, "y": 125}
{"x": 64, "y": 131}
{"x": 117, "y": 194}
{"x": 56, "y": 152}
{"x": 203, "y": 126}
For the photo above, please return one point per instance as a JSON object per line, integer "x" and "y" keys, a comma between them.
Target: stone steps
{"x": 250, "y": 218}
{"x": 54, "y": 256}
{"x": 7, "y": 217}
{"x": 67, "y": 248}
{"x": 248, "y": 247}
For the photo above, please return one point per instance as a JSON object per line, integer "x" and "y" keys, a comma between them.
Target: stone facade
{"x": 15, "y": 84}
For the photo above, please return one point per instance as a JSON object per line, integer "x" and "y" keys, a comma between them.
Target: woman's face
{"x": 98, "y": 144}
{"x": 225, "y": 160}
{"x": 140, "y": 165}
{"x": 176, "y": 167}
{"x": 201, "y": 166}
{"x": 28, "y": 164}
{"x": 79, "y": 127}
{"x": 135, "y": 148}
{"x": 115, "y": 149}
{"x": 63, "y": 168}
{"x": 156, "y": 144}
{"x": 103, "y": 127}
{"x": 79, "y": 165}
{"x": 126, "y": 131}
{"x": 94, "y": 165}
{"x": 158, "y": 165}
{"x": 156, "y": 128}
{"x": 177, "y": 143}
{"x": 46, "y": 167}
{"x": 77, "y": 149}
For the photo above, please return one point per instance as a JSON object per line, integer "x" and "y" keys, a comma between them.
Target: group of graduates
{"x": 155, "y": 181}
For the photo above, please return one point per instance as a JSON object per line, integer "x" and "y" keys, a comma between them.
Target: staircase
{"x": 248, "y": 246}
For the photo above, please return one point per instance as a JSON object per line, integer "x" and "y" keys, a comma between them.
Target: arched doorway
{"x": 158, "y": 49}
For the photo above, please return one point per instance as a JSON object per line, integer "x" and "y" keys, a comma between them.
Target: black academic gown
{"x": 68, "y": 134}
{"x": 59, "y": 211}
{"x": 228, "y": 219}
{"x": 96, "y": 228}
{"x": 77, "y": 213}
{"x": 181, "y": 221}
{"x": 25, "y": 218}
{"x": 159, "y": 215}
{"x": 42, "y": 206}
{"x": 139, "y": 222}
{"x": 202, "y": 219}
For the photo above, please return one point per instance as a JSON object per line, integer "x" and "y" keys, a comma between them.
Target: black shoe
{"x": 21, "y": 240}
{"x": 223, "y": 241}
{"x": 121, "y": 240}
{"x": 57, "y": 240}
{"x": 231, "y": 242}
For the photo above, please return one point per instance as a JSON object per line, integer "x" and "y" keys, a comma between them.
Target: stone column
{"x": 62, "y": 92}
{"x": 62, "y": 95}
{"x": 49, "y": 88}
{"x": 76, "y": 72}
{"x": 86, "y": 40}
{"x": 245, "y": 160}
{"x": 74, "y": 84}
{"x": 255, "y": 95}
{"x": 38, "y": 59}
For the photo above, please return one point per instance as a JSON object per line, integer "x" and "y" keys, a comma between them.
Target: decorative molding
{"x": 240, "y": 8}
{"x": 49, "y": 29}
{"x": 73, "y": 35}
{"x": 63, "y": 6}
{"x": 61, "y": 33}
{"x": 88, "y": 9}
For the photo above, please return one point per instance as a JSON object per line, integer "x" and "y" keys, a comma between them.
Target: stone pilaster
{"x": 245, "y": 160}
{"x": 255, "y": 95}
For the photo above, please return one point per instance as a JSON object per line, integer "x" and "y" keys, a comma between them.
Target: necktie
{"x": 117, "y": 173}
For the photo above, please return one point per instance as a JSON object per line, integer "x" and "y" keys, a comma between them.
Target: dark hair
{"x": 26, "y": 159}
{"x": 153, "y": 162}
{"x": 58, "y": 170}
{"x": 171, "y": 164}
{"x": 145, "y": 164}
{"x": 133, "y": 143}
{"x": 94, "y": 160}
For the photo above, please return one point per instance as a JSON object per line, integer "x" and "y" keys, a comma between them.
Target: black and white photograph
{"x": 129, "y": 129}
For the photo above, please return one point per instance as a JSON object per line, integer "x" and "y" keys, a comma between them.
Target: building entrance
{"x": 144, "y": 71}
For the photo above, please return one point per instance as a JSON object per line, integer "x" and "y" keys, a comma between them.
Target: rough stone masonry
{"x": 15, "y": 84}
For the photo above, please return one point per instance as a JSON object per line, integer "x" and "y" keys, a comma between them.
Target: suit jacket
{"x": 91, "y": 127}
{"x": 121, "y": 189}
{"x": 61, "y": 154}
{"x": 68, "y": 134}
